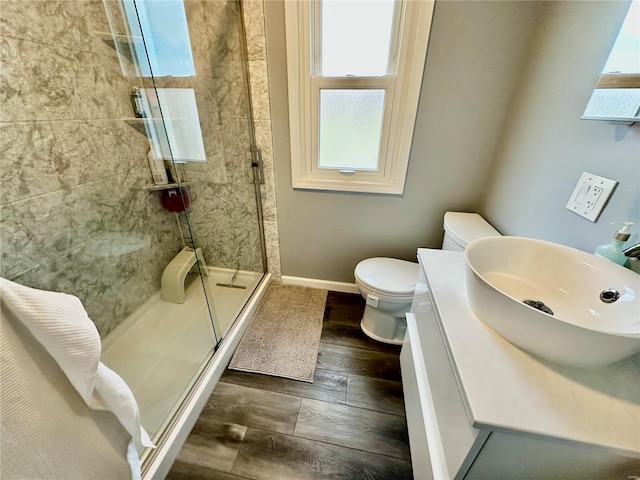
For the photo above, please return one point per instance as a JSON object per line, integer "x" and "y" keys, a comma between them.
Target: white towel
{"x": 62, "y": 326}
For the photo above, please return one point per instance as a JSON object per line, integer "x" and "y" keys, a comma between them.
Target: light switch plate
{"x": 590, "y": 195}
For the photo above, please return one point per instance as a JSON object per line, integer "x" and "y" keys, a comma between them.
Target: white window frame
{"x": 402, "y": 92}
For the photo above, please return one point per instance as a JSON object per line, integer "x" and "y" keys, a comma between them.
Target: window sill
{"x": 350, "y": 184}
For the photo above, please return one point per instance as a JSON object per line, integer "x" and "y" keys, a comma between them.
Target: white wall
{"x": 475, "y": 55}
{"x": 545, "y": 146}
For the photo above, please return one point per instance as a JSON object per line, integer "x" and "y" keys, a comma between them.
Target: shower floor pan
{"x": 161, "y": 348}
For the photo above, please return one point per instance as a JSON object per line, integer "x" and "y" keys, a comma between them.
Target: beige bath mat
{"x": 284, "y": 336}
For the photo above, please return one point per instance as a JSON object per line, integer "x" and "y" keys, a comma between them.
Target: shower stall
{"x": 131, "y": 178}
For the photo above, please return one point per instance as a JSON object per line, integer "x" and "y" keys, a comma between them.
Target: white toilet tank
{"x": 462, "y": 228}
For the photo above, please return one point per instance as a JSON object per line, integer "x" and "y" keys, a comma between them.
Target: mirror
{"x": 617, "y": 95}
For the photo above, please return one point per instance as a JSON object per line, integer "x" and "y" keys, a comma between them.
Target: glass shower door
{"x": 197, "y": 63}
{"x": 190, "y": 97}
{"x": 165, "y": 343}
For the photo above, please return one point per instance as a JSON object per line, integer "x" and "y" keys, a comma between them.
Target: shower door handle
{"x": 258, "y": 166}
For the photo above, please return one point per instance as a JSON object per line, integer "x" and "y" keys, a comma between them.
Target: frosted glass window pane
{"x": 355, "y": 37}
{"x": 350, "y": 128}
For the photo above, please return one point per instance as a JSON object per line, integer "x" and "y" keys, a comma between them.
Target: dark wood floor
{"x": 349, "y": 424}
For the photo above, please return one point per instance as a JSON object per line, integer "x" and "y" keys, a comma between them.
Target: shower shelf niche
{"x": 140, "y": 124}
{"x": 119, "y": 42}
{"x": 111, "y": 39}
{"x": 167, "y": 186}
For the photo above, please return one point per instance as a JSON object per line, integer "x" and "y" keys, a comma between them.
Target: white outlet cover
{"x": 590, "y": 195}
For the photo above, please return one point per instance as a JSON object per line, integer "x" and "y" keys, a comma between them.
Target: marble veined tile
{"x": 62, "y": 23}
{"x": 260, "y": 89}
{"x": 263, "y": 135}
{"x": 235, "y": 138}
{"x": 198, "y": 171}
{"x": 214, "y": 29}
{"x": 223, "y": 88}
{"x": 254, "y": 25}
{"x": 224, "y": 221}
{"x": 106, "y": 242}
{"x": 269, "y": 207}
{"x": 272, "y": 248}
{"x": 46, "y": 156}
{"x": 44, "y": 82}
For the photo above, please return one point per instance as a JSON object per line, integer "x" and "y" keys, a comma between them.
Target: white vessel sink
{"x": 580, "y": 329}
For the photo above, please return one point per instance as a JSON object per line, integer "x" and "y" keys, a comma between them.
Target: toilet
{"x": 387, "y": 284}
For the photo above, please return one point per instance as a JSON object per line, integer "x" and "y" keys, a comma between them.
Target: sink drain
{"x": 609, "y": 295}
{"x": 538, "y": 305}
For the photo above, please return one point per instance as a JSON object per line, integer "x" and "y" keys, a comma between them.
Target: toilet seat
{"x": 389, "y": 276}
{"x": 388, "y": 285}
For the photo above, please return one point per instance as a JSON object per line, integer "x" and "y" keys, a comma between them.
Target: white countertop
{"x": 507, "y": 389}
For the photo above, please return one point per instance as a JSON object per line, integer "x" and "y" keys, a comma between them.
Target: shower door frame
{"x": 156, "y": 463}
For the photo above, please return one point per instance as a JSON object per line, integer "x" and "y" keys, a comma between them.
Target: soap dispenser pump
{"x": 614, "y": 251}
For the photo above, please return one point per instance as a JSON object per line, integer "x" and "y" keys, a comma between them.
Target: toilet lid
{"x": 388, "y": 275}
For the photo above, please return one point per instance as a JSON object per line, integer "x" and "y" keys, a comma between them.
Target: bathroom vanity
{"x": 478, "y": 407}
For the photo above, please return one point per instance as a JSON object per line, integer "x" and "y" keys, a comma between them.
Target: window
{"x": 166, "y": 48}
{"x": 617, "y": 95}
{"x": 354, "y": 70}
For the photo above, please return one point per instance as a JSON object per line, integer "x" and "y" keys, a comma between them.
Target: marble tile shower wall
{"x": 74, "y": 216}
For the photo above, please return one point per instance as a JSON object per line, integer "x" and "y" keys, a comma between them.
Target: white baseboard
{"x": 324, "y": 284}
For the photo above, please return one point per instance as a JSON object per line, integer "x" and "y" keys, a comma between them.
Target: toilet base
{"x": 383, "y": 327}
